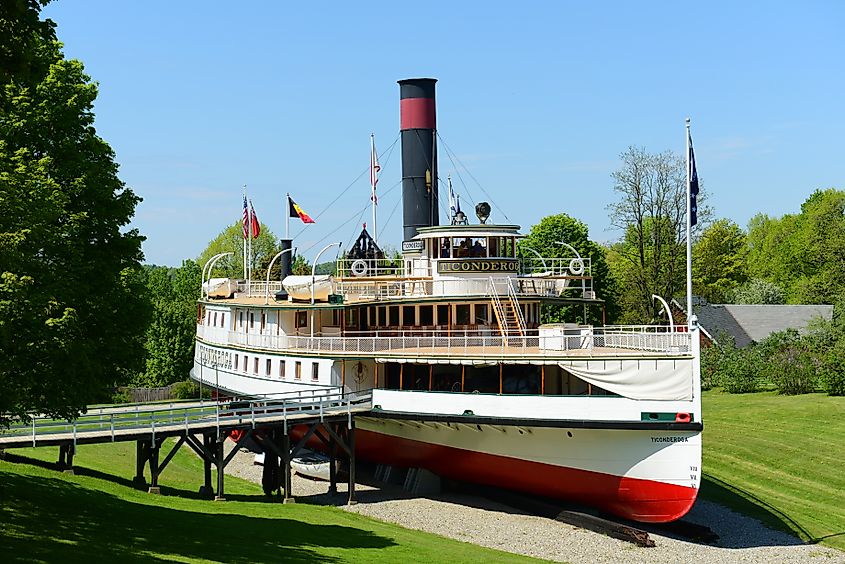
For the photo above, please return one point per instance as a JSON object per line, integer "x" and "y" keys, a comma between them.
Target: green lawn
{"x": 96, "y": 516}
{"x": 779, "y": 458}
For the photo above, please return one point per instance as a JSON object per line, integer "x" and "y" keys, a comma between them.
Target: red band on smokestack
{"x": 417, "y": 113}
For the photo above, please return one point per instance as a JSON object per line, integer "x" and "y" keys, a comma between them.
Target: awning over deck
{"x": 641, "y": 379}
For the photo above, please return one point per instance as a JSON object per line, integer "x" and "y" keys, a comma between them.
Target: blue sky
{"x": 537, "y": 100}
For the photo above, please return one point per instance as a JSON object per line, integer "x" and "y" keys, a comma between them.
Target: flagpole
{"x": 690, "y": 315}
{"x": 373, "y": 184}
{"x": 245, "y": 274}
{"x": 249, "y": 244}
{"x": 287, "y": 216}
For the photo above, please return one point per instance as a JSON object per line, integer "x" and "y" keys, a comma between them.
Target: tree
{"x": 803, "y": 253}
{"x": 759, "y": 291}
{"x": 71, "y": 297}
{"x": 544, "y": 239}
{"x": 719, "y": 263}
{"x": 231, "y": 240}
{"x": 169, "y": 340}
{"x": 651, "y": 212}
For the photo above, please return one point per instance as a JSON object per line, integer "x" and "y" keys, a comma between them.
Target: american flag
{"x": 246, "y": 219}
{"x": 374, "y": 168}
{"x": 256, "y": 227}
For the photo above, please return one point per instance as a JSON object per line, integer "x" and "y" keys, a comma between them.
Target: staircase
{"x": 508, "y": 313}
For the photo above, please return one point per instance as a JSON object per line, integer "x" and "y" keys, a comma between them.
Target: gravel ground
{"x": 487, "y": 523}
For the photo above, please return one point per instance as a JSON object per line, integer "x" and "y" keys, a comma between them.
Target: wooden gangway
{"x": 327, "y": 414}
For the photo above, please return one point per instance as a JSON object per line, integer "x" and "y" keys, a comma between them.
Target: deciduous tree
{"x": 651, "y": 212}
{"x": 71, "y": 299}
{"x": 544, "y": 239}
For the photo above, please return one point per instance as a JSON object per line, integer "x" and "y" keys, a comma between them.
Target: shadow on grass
{"x": 742, "y": 501}
{"x": 51, "y": 519}
{"x": 166, "y": 489}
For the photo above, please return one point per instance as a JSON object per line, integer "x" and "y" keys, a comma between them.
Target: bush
{"x": 792, "y": 363}
{"x": 832, "y": 370}
{"x": 189, "y": 390}
{"x": 737, "y": 371}
{"x": 121, "y": 396}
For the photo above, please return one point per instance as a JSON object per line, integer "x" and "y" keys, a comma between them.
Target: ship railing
{"x": 361, "y": 268}
{"x": 109, "y": 422}
{"x": 481, "y": 339}
{"x": 363, "y": 289}
{"x": 256, "y": 288}
{"x": 572, "y": 267}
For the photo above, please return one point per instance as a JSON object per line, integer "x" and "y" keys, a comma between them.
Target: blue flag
{"x": 693, "y": 186}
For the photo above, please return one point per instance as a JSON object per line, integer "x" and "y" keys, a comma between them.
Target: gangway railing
{"x": 112, "y": 423}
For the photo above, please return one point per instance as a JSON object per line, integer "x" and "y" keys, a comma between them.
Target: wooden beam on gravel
{"x": 605, "y": 526}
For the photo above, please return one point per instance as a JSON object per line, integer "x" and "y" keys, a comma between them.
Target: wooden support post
{"x": 430, "y": 375}
{"x": 343, "y": 376}
{"x": 351, "y": 431}
{"x": 463, "y": 375}
{"x": 221, "y": 469}
{"x": 286, "y": 466}
{"x": 332, "y": 464}
{"x": 542, "y": 379}
{"x": 375, "y": 375}
{"x": 140, "y": 461}
{"x": 153, "y": 459}
{"x": 501, "y": 365}
{"x": 401, "y": 374}
{"x": 207, "y": 489}
{"x": 65, "y": 462}
{"x": 603, "y": 315}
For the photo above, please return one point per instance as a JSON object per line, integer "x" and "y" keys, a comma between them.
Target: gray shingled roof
{"x": 747, "y": 323}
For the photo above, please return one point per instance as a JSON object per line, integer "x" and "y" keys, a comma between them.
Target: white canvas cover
{"x": 641, "y": 379}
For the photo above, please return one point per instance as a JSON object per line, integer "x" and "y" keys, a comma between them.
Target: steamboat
{"x": 466, "y": 381}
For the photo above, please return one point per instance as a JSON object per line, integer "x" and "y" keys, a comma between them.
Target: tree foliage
{"x": 543, "y": 238}
{"x": 71, "y": 298}
{"x": 719, "y": 264}
{"x": 169, "y": 340}
{"x": 231, "y": 240}
{"x": 758, "y": 291}
{"x": 802, "y": 253}
{"x": 651, "y": 212}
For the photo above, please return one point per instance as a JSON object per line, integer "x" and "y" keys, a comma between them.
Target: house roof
{"x": 753, "y": 323}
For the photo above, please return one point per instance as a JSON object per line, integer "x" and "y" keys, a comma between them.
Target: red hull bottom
{"x": 632, "y": 498}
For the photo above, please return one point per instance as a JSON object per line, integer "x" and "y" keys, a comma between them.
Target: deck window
{"x": 462, "y": 314}
{"x": 382, "y": 316}
{"x": 268, "y": 366}
{"x": 301, "y": 319}
{"x": 445, "y": 247}
{"x": 214, "y": 322}
{"x": 426, "y": 315}
{"x": 481, "y": 314}
{"x": 409, "y": 316}
{"x": 282, "y": 364}
{"x": 443, "y": 315}
{"x": 351, "y": 318}
{"x": 263, "y": 321}
{"x": 246, "y": 362}
{"x": 315, "y": 371}
{"x": 298, "y": 370}
{"x": 394, "y": 316}
{"x": 255, "y": 366}
{"x": 236, "y": 362}
{"x": 251, "y": 319}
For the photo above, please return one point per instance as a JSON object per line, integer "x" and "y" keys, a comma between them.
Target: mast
{"x": 689, "y": 235}
{"x": 374, "y": 170}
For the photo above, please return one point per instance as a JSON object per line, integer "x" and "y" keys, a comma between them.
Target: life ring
{"x": 576, "y": 266}
{"x": 359, "y": 267}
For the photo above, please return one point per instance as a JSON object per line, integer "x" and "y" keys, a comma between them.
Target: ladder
{"x": 508, "y": 312}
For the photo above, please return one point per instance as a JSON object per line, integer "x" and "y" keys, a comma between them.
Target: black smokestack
{"x": 419, "y": 154}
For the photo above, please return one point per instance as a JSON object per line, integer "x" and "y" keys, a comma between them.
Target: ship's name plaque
{"x": 477, "y": 265}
